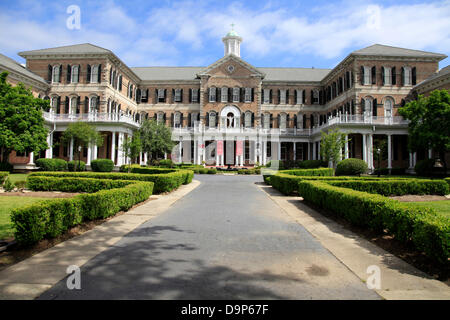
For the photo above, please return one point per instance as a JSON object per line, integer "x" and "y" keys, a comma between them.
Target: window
{"x": 267, "y": 121}
{"x": 299, "y": 96}
{"x": 248, "y": 95}
{"x": 93, "y": 104}
{"x": 161, "y": 95}
{"x": 177, "y": 97}
{"x": 75, "y": 74}
{"x": 56, "y": 74}
{"x": 236, "y": 93}
{"x": 282, "y": 96}
{"x": 407, "y": 76}
{"x": 94, "y": 74}
{"x": 367, "y": 76}
{"x": 367, "y": 107}
{"x": 160, "y": 117}
{"x": 194, "y": 95}
{"x": 315, "y": 96}
{"x": 224, "y": 94}
{"x": 248, "y": 119}
{"x": 55, "y": 105}
{"x": 282, "y": 124}
{"x": 144, "y": 97}
{"x": 300, "y": 121}
{"x": 74, "y": 105}
{"x": 387, "y": 76}
{"x": 212, "y": 119}
{"x": 388, "y": 104}
{"x": 212, "y": 94}
{"x": 266, "y": 96}
{"x": 177, "y": 120}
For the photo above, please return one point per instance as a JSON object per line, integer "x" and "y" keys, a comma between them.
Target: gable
{"x": 231, "y": 66}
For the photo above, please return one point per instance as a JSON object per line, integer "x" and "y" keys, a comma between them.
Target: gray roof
{"x": 9, "y": 63}
{"x": 167, "y": 73}
{"x": 443, "y": 72}
{"x": 84, "y": 48}
{"x": 294, "y": 74}
{"x": 383, "y": 50}
{"x": 189, "y": 73}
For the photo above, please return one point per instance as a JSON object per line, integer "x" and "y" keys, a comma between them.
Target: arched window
{"x": 75, "y": 74}
{"x": 230, "y": 120}
{"x": 56, "y": 73}
{"x": 248, "y": 119}
{"x": 388, "y": 107}
{"x": 54, "y": 104}
{"x": 93, "y": 104}
{"x": 212, "y": 119}
{"x": 74, "y": 105}
{"x": 368, "y": 107}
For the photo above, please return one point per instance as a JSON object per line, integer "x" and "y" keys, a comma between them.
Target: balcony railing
{"x": 91, "y": 117}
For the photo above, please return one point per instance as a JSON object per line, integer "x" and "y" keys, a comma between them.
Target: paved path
{"x": 224, "y": 240}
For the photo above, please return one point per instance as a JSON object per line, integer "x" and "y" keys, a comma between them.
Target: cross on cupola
{"x": 232, "y": 42}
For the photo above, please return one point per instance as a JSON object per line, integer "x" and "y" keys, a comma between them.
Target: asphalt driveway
{"x": 224, "y": 240}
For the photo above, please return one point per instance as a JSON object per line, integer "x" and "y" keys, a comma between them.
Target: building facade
{"x": 230, "y": 112}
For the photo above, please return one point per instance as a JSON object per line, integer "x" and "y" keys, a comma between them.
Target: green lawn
{"x": 6, "y": 205}
{"x": 442, "y": 207}
{"x": 18, "y": 177}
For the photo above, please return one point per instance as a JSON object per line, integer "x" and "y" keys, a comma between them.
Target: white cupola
{"x": 232, "y": 43}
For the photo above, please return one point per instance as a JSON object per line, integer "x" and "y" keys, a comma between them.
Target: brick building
{"x": 231, "y": 112}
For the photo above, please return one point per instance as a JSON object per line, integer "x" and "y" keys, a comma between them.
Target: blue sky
{"x": 188, "y": 33}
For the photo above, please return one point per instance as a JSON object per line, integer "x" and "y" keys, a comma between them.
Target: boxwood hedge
{"x": 50, "y": 218}
{"x": 164, "y": 182}
{"x": 428, "y": 231}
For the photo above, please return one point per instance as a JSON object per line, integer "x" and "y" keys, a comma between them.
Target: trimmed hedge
{"x": 163, "y": 182}
{"x": 73, "y": 184}
{"x": 448, "y": 180}
{"x": 204, "y": 170}
{"x": 351, "y": 167}
{"x": 76, "y": 165}
{"x": 3, "y": 175}
{"x": 396, "y": 187}
{"x": 45, "y": 164}
{"x": 102, "y": 165}
{"x": 250, "y": 171}
{"x": 290, "y": 164}
{"x": 320, "y": 172}
{"x": 50, "y": 218}
{"x": 428, "y": 231}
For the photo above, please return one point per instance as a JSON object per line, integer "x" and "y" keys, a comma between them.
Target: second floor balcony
{"x": 94, "y": 117}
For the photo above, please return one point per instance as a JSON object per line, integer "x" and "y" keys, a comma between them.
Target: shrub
{"x": 424, "y": 167}
{"x": 76, "y": 165}
{"x": 3, "y": 176}
{"x": 73, "y": 184}
{"x": 312, "y": 164}
{"x": 6, "y": 166}
{"x": 8, "y": 186}
{"x": 250, "y": 171}
{"x": 427, "y": 230}
{"x": 45, "y": 164}
{"x": 351, "y": 167}
{"x": 163, "y": 182}
{"x": 102, "y": 165}
{"x": 211, "y": 171}
{"x": 20, "y": 184}
{"x": 310, "y": 172}
{"x": 167, "y": 163}
{"x": 396, "y": 187}
{"x": 49, "y": 218}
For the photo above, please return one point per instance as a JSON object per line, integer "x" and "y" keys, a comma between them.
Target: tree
{"x": 156, "y": 138}
{"x": 21, "y": 121}
{"x": 429, "y": 123}
{"x": 83, "y": 135}
{"x": 331, "y": 146}
{"x": 132, "y": 147}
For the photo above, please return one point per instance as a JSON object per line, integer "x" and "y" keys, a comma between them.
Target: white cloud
{"x": 184, "y": 32}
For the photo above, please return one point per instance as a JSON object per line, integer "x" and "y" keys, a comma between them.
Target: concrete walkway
{"x": 30, "y": 278}
{"x": 224, "y": 240}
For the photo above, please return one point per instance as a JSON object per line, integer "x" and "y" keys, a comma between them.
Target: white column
{"x": 255, "y": 155}
{"x": 71, "y": 150}
{"x": 318, "y": 150}
{"x": 89, "y": 155}
{"x": 411, "y": 160}
{"x": 430, "y": 153}
{"x": 314, "y": 151}
{"x": 94, "y": 152}
{"x": 113, "y": 146}
{"x": 31, "y": 158}
{"x": 120, "y": 157}
{"x": 145, "y": 158}
{"x": 389, "y": 138}
{"x": 196, "y": 152}
{"x": 364, "y": 147}
{"x": 49, "y": 151}
{"x": 414, "y": 159}
{"x": 309, "y": 151}
{"x": 370, "y": 151}
{"x": 295, "y": 149}
{"x": 346, "y": 147}
{"x": 264, "y": 152}
{"x": 180, "y": 150}
{"x": 279, "y": 150}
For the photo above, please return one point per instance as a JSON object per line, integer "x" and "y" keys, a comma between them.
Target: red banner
{"x": 220, "y": 147}
{"x": 239, "y": 147}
